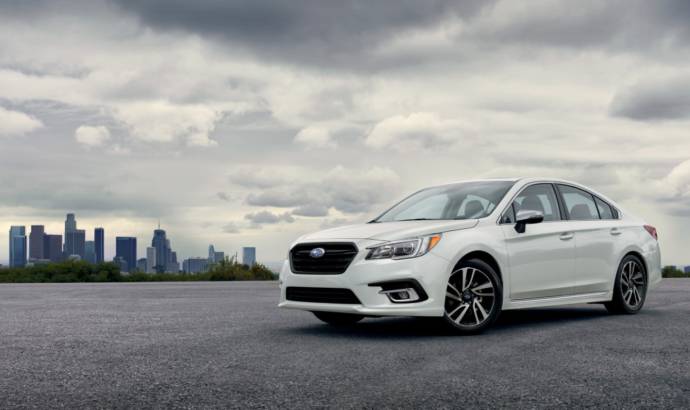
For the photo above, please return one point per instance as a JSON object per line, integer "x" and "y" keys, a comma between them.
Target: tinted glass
{"x": 541, "y": 198}
{"x": 605, "y": 210}
{"x": 468, "y": 200}
{"x": 579, "y": 203}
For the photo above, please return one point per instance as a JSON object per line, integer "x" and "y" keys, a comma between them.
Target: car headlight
{"x": 408, "y": 248}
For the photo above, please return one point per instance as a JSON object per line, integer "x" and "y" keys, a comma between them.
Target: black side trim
{"x": 401, "y": 284}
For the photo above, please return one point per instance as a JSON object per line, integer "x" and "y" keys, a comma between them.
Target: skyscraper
{"x": 126, "y": 249}
{"x": 74, "y": 239}
{"x": 90, "y": 251}
{"x": 213, "y": 256}
{"x": 150, "y": 259}
{"x": 36, "y": 251}
{"x": 75, "y": 244}
{"x": 99, "y": 243}
{"x": 160, "y": 242}
{"x": 249, "y": 256}
{"x": 17, "y": 246}
{"x": 52, "y": 247}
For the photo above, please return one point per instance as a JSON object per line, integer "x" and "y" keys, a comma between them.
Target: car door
{"x": 541, "y": 259}
{"x": 594, "y": 239}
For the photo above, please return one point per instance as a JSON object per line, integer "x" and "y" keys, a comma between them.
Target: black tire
{"x": 629, "y": 288}
{"x": 474, "y": 299}
{"x": 338, "y": 319}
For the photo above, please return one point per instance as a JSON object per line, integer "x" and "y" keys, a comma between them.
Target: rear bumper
{"x": 430, "y": 271}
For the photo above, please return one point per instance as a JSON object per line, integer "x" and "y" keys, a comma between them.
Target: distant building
{"x": 195, "y": 265}
{"x": 17, "y": 246}
{"x": 99, "y": 239}
{"x": 686, "y": 269}
{"x": 36, "y": 242}
{"x": 249, "y": 256}
{"x": 90, "y": 251}
{"x": 161, "y": 244}
{"x": 75, "y": 243}
{"x": 213, "y": 256}
{"x": 126, "y": 249}
{"x": 52, "y": 247}
{"x": 142, "y": 265}
{"x": 150, "y": 260}
{"x": 121, "y": 263}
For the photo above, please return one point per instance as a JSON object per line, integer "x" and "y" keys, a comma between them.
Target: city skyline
{"x": 35, "y": 244}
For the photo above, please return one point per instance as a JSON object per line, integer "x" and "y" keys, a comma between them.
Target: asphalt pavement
{"x": 227, "y": 345}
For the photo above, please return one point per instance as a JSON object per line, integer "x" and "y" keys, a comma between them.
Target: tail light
{"x": 652, "y": 231}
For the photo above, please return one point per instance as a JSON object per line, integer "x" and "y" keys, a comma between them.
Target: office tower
{"x": 150, "y": 260}
{"x": 211, "y": 254}
{"x": 75, "y": 244}
{"x": 70, "y": 223}
{"x": 219, "y": 257}
{"x": 74, "y": 239}
{"x": 121, "y": 263}
{"x": 36, "y": 251}
{"x": 99, "y": 239}
{"x": 249, "y": 256}
{"x": 90, "y": 251}
{"x": 142, "y": 265}
{"x": 126, "y": 249}
{"x": 195, "y": 265}
{"x": 161, "y": 244}
{"x": 52, "y": 247}
{"x": 17, "y": 246}
{"x": 173, "y": 265}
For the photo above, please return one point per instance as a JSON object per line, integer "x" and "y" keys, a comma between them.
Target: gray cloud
{"x": 313, "y": 31}
{"x": 664, "y": 99}
{"x": 267, "y": 217}
{"x": 348, "y": 191}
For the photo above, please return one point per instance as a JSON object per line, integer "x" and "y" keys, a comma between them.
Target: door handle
{"x": 615, "y": 231}
{"x": 566, "y": 236}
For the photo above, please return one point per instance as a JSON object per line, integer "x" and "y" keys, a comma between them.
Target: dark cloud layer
{"x": 665, "y": 99}
{"x": 319, "y": 32}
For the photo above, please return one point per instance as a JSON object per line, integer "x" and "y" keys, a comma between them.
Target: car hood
{"x": 389, "y": 231}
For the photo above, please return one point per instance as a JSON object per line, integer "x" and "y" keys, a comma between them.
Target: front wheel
{"x": 338, "y": 319}
{"x": 630, "y": 287}
{"x": 474, "y": 297}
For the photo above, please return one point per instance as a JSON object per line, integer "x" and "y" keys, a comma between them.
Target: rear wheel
{"x": 630, "y": 287}
{"x": 338, "y": 319}
{"x": 474, "y": 297}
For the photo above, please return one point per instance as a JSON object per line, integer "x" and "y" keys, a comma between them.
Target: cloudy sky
{"x": 250, "y": 122}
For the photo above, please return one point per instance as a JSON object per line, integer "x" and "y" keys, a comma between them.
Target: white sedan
{"x": 466, "y": 251}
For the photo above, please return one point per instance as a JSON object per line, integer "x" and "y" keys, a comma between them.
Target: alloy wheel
{"x": 470, "y": 297}
{"x": 632, "y": 284}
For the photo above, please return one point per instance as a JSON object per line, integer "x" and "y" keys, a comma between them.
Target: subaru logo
{"x": 317, "y": 252}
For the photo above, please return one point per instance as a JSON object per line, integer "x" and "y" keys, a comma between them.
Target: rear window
{"x": 605, "y": 210}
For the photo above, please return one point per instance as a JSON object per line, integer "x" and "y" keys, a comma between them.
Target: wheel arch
{"x": 485, "y": 257}
{"x": 636, "y": 253}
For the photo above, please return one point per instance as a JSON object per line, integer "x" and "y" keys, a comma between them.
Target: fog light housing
{"x": 405, "y": 295}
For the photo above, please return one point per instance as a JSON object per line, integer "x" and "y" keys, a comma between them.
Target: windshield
{"x": 467, "y": 200}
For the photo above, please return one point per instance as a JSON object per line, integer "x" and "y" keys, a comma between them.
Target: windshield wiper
{"x": 416, "y": 219}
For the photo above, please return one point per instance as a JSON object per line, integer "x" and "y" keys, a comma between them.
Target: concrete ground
{"x": 189, "y": 345}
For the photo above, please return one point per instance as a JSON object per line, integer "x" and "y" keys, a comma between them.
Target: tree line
{"x": 81, "y": 271}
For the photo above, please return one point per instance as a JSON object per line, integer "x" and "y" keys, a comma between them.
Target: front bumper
{"x": 430, "y": 271}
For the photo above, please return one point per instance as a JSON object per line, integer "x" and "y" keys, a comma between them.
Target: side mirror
{"x": 525, "y": 217}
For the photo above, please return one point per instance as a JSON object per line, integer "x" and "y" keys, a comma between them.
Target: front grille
{"x": 334, "y": 261}
{"x": 321, "y": 295}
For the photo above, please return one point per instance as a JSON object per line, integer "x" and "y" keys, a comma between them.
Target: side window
{"x": 605, "y": 210}
{"x": 579, "y": 204}
{"x": 539, "y": 197}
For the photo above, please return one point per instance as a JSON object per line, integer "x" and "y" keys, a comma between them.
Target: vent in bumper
{"x": 335, "y": 260}
{"x": 321, "y": 295}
